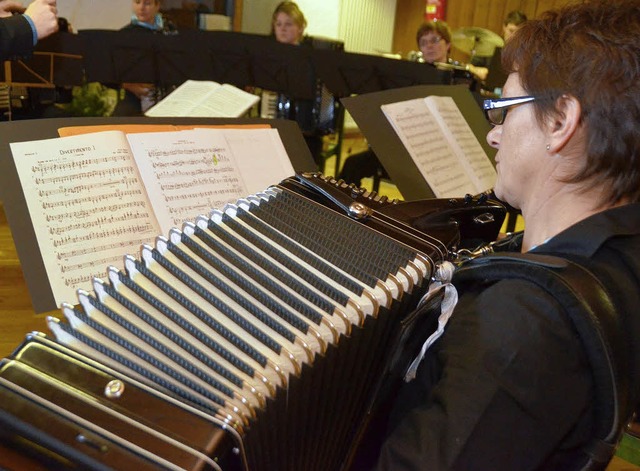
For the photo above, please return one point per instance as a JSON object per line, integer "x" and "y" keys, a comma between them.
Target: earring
{"x": 548, "y": 146}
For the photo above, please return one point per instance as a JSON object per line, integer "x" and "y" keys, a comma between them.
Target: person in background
{"x": 19, "y": 33}
{"x": 136, "y": 98}
{"x": 434, "y": 41}
{"x": 512, "y": 23}
{"x": 509, "y": 386}
{"x": 288, "y": 25}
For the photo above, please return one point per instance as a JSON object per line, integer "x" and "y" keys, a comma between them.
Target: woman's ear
{"x": 564, "y": 123}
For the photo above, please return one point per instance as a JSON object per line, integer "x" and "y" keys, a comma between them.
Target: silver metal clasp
{"x": 359, "y": 210}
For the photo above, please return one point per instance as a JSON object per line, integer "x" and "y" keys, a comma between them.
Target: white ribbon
{"x": 449, "y": 301}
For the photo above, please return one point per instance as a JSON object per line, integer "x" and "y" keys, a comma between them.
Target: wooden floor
{"x": 17, "y": 316}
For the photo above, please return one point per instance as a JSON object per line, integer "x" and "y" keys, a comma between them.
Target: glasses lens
{"x": 496, "y": 115}
{"x": 430, "y": 40}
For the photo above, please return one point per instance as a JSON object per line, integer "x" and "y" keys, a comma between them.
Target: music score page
{"x": 442, "y": 145}
{"x": 91, "y": 200}
{"x": 204, "y": 99}
{"x": 188, "y": 173}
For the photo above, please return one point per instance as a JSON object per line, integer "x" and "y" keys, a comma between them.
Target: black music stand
{"x": 15, "y": 205}
{"x": 119, "y": 56}
{"x": 226, "y": 57}
{"x": 346, "y": 73}
{"x": 390, "y": 150}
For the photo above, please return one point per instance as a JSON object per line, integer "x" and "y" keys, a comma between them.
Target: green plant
{"x": 92, "y": 99}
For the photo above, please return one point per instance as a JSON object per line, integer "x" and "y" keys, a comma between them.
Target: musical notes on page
{"x": 463, "y": 141}
{"x": 87, "y": 205}
{"x": 442, "y": 145}
{"x": 188, "y": 173}
{"x": 96, "y": 197}
{"x": 198, "y": 98}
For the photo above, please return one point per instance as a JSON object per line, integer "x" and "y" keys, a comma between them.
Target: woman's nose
{"x": 493, "y": 137}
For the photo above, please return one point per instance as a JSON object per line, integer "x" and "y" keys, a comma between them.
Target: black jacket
{"x": 16, "y": 37}
{"x": 508, "y": 386}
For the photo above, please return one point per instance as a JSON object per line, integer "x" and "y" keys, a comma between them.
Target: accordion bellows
{"x": 255, "y": 338}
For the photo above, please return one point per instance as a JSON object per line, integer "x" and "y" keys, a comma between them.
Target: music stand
{"x": 235, "y": 58}
{"x": 346, "y": 74}
{"x": 119, "y": 56}
{"x": 15, "y": 205}
{"x": 56, "y": 61}
{"x": 385, "y": 142}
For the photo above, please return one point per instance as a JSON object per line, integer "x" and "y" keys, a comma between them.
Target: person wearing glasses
{"x": 508, "y": 386}
{"x": 434, "y": 41}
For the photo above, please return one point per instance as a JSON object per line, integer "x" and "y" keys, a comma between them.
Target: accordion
{"x": 261, "y": 336}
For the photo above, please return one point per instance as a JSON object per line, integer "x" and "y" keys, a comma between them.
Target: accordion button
{"x": 114, "y": 389}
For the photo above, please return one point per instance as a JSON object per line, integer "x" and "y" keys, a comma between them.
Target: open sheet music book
{"x": 204, "y": 99}
{"x": 93, "y": 198}
{"x": 442, "y": 145}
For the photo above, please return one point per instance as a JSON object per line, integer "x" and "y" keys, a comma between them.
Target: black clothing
{"x": 16, "y": 37}
{"x": 362, "y": 165}
{"x": 508, "y": 384}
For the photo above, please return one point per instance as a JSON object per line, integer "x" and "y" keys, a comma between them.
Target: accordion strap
{"x": 594, "y": 318}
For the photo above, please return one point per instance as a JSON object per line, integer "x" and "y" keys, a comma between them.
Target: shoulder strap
{"x": 594, "y": 317}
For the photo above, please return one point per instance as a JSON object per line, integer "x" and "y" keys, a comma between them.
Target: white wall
{"x": 365, "y": 26}
{"x": 95, "y": 14}
{"x": 322, "y": 16}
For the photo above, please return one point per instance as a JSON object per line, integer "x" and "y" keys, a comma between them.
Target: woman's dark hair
{"x": 590, "y": 51}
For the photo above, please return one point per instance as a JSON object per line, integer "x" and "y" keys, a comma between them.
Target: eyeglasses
{"x": 496, "y": 110}
{"x": 433, "y": 41}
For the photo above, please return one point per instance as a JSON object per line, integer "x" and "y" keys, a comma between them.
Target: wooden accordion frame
{"x": 260, "y": 337}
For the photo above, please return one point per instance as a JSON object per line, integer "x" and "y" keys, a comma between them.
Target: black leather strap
{"x": 594, "y": 317}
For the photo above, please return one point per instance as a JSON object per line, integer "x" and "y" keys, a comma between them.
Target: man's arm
{"x": 16, "y": 37}
{"x": 20, "y": 32}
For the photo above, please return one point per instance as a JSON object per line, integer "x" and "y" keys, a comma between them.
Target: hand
{"x": 44, "y": 14}
{"x": 8, "y": 8}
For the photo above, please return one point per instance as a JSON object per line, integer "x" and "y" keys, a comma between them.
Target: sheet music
{"x": 429, "y": 148}
{"x": 87, "y": 205}
{"x": 187, "y": 173}
{"x": 463, "y": 141}
{"x": 204, "y": 99}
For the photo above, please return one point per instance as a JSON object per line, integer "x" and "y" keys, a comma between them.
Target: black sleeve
{"x": 16, "y": 37}
{"x": 507, "y": 385}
